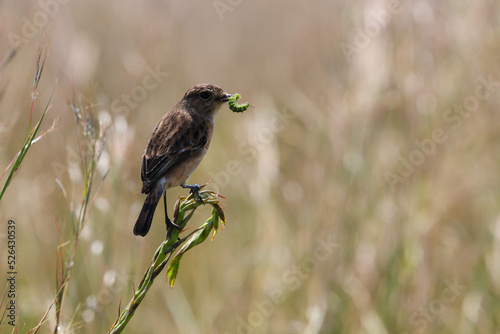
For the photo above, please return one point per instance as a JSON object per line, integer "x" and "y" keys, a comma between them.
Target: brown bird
{"x": 176, "y": 147}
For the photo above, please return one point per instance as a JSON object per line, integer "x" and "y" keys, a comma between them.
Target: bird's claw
{"x": 196, "y": 192}
{"x": 171, "y": 223}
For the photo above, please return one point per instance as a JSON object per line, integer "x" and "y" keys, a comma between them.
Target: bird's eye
{"x": 205, "y": 95}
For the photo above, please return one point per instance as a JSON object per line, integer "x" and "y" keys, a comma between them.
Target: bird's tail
{"x": 145, "y": 219}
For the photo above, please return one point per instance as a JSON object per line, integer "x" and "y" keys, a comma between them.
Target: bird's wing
{"x": 174, "y": 140}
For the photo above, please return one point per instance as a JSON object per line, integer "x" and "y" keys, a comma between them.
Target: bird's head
{"x": 205, "y": 99}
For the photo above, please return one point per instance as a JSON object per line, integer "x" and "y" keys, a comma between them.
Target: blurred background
{"x": 362, "y": 190}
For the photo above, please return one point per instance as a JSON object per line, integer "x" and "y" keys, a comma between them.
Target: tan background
{"x": 345, "y": 93}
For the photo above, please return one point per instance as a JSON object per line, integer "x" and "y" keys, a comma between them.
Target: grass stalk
{"x": 92, "y": 143}
{"x": 183, "y": 211}
{"x": 30, "y": 136}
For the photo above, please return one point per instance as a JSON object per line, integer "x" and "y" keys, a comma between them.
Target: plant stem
{"x": 165, "y": 250}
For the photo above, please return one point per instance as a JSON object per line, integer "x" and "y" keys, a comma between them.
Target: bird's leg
{"x": 194, "y": 189}
{"x": 168, "y": 222}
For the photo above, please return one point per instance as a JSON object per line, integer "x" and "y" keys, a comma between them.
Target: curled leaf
{"x": 215, "y": 222}
{"x": 172, "y": 270}
{"x": 176, "y": 208}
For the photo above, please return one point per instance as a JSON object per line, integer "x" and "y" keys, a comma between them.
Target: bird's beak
{"x": 225, "y": 97}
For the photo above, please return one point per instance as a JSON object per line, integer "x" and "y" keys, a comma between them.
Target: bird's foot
{"x": 170, "y": 227}
{"x": 169, "y": 223}
{"x": 195, "y": 190}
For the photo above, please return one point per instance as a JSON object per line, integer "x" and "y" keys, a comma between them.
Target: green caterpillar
{"x": 234, "y": 106}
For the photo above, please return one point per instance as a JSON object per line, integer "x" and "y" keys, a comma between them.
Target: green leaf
{"x": 215, "y": 222}
{"x": 172, "y": 270}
